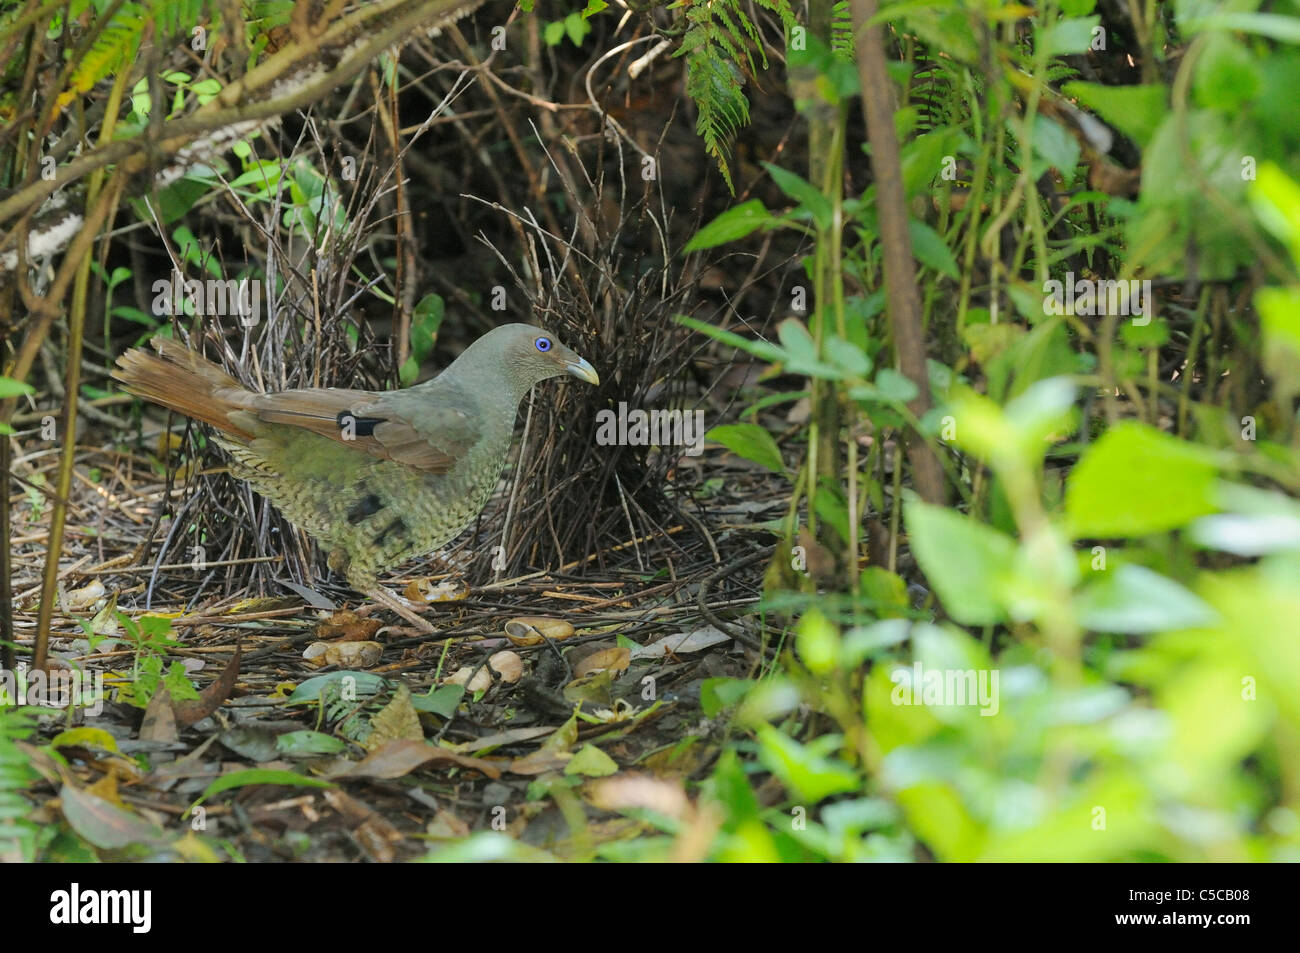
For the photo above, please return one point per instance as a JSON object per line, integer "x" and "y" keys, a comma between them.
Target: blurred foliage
{"x": 1104, "y": 667}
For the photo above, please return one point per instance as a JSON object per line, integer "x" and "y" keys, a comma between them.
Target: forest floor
{"x": 341, "y": 733}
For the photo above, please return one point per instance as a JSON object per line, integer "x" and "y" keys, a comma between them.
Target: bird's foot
{"x": 402, "y": 607}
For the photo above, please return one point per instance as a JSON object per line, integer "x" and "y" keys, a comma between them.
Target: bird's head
{"x": 531, "y": 354}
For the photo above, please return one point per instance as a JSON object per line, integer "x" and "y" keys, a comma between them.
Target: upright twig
{"x": 901, "y": 296}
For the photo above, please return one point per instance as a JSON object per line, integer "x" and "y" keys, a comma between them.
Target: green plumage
{"x": 376, "y": 478}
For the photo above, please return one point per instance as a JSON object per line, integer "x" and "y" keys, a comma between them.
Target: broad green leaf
{"x": 590, "y": 762}
{"x": 425, "y": 322}
{"x": 884, "y": 592}
{"x": 862, "y": 642}
{"x": 1227, "y": 75}
{"x": 719, "y": 694}
{"x": 751, "y": 442}
{"x": 1279, "y": 318}
{"x": 1136, "y": 111}
{"x": 808, "y": 776}
{"x": 12, "y": 388}
{"x": 85, "y": 737}
{"x": 1258, "y": 522}
{"x": 363, "y": 683}
{"x": 1064, "y": 37}
{"x": 938, "y": 817}
{"x": 733, "y": 224}
{"x": 763, "y": 350}
{"x": 1136, "y": 481}
{"x": 1134, "y": 600}
{"x": 1275, "y": 197}
{"x": 931, "y": 250}
{"x": 1276, "y": 26}
{"x": 848, "y": 357}
{"x": 800, "y": 356}
{"x": 803, "y": 192}
{"x": 1056, "y": 146}
{"x": 1043, "y": 411}
{"x": 264, "y": 173}
{"x": 965, "y": 561}
{"x": 818, "y": 642}
{"x": 730, "y": 787}
{"x": 255, "y": 776}
{"x": 894, "y": 386}
{"x": 442, "y": 701}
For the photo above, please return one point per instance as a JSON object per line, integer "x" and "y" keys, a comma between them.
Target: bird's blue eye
{"x": 543, "y": 344}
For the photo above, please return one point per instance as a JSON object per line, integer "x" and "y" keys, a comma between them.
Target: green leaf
{"x": 733, "y": 224}
{"x": 729, "y": 786}
{"x": 577, "y": 28}
{"x": 1133, "y": 600}
{"x": 1275, "y": 197}
{"x": 804, "y": 193}
{"x": 1258, "y": 522}
{"x": 883, "y": 591}
{"x": 364, "y": 683}
{"x": 1136, "y": 481}
{"x": 1056, "y": 146}
{"x": 86, "y": 738}
{"x": 808, "y": 776}
{"x": 1276, "y": 26}
{"x": 763, "y": 350}
{"x": 12, "y": 388}
{"x": 863, "y": 642}
{"x": 591, "y": 762}
{"x": 931, "y": 250}
{"x": 1279, "y": 318}
{"x": 965, "y": 561}
{"x": 800, "y": 355}
{"x": 894, "y": 386}
{"x": 1044, "y": 410}
{"x": 751, "y": 442}
{"x": 1136, "y": 111}
{"x": 818, "y": 642}
{"x": 254, "y": 776}
{"x": 848, "y": 357}
{"x": 1068, "y": 36}
{"x": 1227, "y": 76}
{"x": 425, "y": 322}
{"x": 719, "y": 694}
{"x": 442, "y": 701}
{"x": 264, "y": 173}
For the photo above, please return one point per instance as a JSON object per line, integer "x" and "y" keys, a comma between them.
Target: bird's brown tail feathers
{"x": 184, "y": 381}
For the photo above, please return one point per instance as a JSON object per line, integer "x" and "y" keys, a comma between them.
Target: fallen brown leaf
{"x": 399, "y": 758}
{"x": 210, "y": 699}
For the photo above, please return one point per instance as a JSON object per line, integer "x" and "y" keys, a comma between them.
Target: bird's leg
{"x": 399, "y": 605}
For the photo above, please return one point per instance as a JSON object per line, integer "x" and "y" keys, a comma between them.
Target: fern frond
{"x": 116, "y": 46}
{"x": 719, "y": 46}
{"x": 842, "y": 31}
{"x": 17, "y": 834}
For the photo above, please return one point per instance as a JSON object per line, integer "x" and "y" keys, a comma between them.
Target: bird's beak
{"x": 582, "y": 370}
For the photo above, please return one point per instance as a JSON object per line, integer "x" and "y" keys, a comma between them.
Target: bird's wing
{"x": 375, "y": 423}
